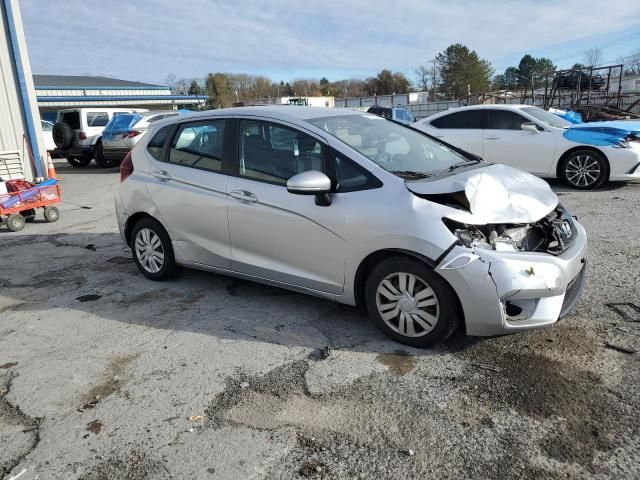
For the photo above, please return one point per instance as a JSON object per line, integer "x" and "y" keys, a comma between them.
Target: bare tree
{"x": 631, "y": 63}
{"x": 170, "y": 80}
{"x": 593, "y": 56}
{"x": 423, "y": 74}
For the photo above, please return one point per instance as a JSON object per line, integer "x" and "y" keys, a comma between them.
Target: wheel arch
{"x": 371, "y": 260}
{"x": 577, "y": 148}
{"x": 135, "y": 218}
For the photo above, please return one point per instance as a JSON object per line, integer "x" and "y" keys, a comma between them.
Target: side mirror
{"x": 530, "y": 127}
{"x": 311, "y": 182}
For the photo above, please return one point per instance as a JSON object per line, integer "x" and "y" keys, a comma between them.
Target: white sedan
{"x": 584, "y": 155}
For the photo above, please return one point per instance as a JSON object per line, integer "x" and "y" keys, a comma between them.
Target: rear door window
{"x": 199, "y": 145}
{"x": 468, "y": 119}
{"x": 97, "y": 119}
{"x": 505, "y": 120}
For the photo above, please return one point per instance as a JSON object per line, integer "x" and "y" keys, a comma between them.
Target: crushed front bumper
{"x": 504, "y": 292}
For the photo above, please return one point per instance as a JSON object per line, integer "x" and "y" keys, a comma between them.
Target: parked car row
{"x": 358, "y": 209}
{"x": 103, "y": 134}
{"x": 583, "y": 155}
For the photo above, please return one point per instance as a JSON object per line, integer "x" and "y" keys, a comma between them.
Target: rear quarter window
{"x": 155, "y": 145}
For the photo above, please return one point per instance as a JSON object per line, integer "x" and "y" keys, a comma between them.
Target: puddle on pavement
{"x": 399, "y": 363}
{"x": 114, "y": 378}
{"x": 94, "y": 427}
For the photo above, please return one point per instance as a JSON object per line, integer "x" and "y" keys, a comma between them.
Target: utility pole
{"x": 433, "y": 79}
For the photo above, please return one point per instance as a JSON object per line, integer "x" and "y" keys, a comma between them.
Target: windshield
{"x": 395, "y": 148}
{"x": 548, "y": 118}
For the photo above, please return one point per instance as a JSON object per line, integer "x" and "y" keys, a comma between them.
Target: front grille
{"x": 572, "y": 294}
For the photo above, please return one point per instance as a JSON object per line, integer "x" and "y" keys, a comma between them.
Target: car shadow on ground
{"x": 92, "y": 168}
{"x": 95, "y": 274}
{"x": 559, "y": 187}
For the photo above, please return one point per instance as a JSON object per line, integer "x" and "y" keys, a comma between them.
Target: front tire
{"x": 410, "y": 303}
{"x": 152, "y": 250}
{"x": 584, "y": 169}
{"x": 15, "y": 222}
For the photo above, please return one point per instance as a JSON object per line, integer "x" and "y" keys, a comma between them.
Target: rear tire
{"x": 78, "y": 162}
{"x": 584, "y": 169}
{"x": 152, "y": 250}
{"x": 410, "y": 303}
{"x": 99, "y": 156}
{"x": 15, "y": 222}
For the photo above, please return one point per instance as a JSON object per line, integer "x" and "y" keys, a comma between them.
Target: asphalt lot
{"x": 105, "y": 375}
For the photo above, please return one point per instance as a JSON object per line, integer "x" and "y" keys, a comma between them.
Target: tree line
{"x": 453, "y": 74}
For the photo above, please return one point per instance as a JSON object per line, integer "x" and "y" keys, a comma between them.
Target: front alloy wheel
{"x": 584, "y": 169}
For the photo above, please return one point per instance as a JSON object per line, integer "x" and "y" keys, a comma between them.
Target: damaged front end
{"x": 552, "y": 234}
{"x": 518, "y": 259}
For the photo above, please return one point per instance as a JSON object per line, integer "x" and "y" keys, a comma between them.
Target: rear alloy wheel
{"x": 584, "y": 169}
{"x": 152, "y": 250}
{"x": 410, "y": 303}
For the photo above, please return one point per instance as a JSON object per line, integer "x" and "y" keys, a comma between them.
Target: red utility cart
{"x": 20, "y": 203}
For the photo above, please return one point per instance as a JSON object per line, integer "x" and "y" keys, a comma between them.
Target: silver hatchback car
{"x": 355, "y": 208}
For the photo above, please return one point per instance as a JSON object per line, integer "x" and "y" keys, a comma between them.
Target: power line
{"x": 608, "y": 44}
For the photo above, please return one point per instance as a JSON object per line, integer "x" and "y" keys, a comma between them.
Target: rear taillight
{"x": 133, "y": 133}
{"x": 126, "y": 167}
{"x": 82, "y": 135}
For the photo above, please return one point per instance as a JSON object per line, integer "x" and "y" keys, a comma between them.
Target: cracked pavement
{"x": 104, "y": 374}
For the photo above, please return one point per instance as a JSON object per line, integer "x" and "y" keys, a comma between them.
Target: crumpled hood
{"x": 603, "y": 133}
{"x": 495, "y": 194}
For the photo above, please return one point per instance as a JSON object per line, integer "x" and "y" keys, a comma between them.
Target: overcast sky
{"x": 146, "y": 40}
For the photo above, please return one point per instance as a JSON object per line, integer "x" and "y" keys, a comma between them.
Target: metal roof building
{"x": 55, "y": 92}
{"x": 22, "y": 150}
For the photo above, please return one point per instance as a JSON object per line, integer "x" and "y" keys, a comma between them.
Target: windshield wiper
{"x": 410, "y": 174}
{"x": 463, "y": 164}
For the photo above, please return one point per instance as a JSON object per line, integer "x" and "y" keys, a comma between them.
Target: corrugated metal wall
{"x": 14, "y": 130}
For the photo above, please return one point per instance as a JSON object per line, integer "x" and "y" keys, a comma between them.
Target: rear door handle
{"x": 243, "y": 196}
{"x": 492, "y": 138}
{"x": 161, "y": 175}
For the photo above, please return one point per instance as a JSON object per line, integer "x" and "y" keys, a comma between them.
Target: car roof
{"x": 498, "y": 106}
{"x": 281, "y": 112}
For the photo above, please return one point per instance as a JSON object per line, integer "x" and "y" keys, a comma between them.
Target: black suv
{"x": 570, "y": 80}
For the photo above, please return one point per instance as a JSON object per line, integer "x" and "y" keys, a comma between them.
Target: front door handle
{"x": 492, "y": 138}
{"x": 161, "y": 175}
{"x": 243, "y": 196}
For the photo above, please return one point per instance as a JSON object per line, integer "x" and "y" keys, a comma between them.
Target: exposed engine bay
{"x": 551, "y": 234}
